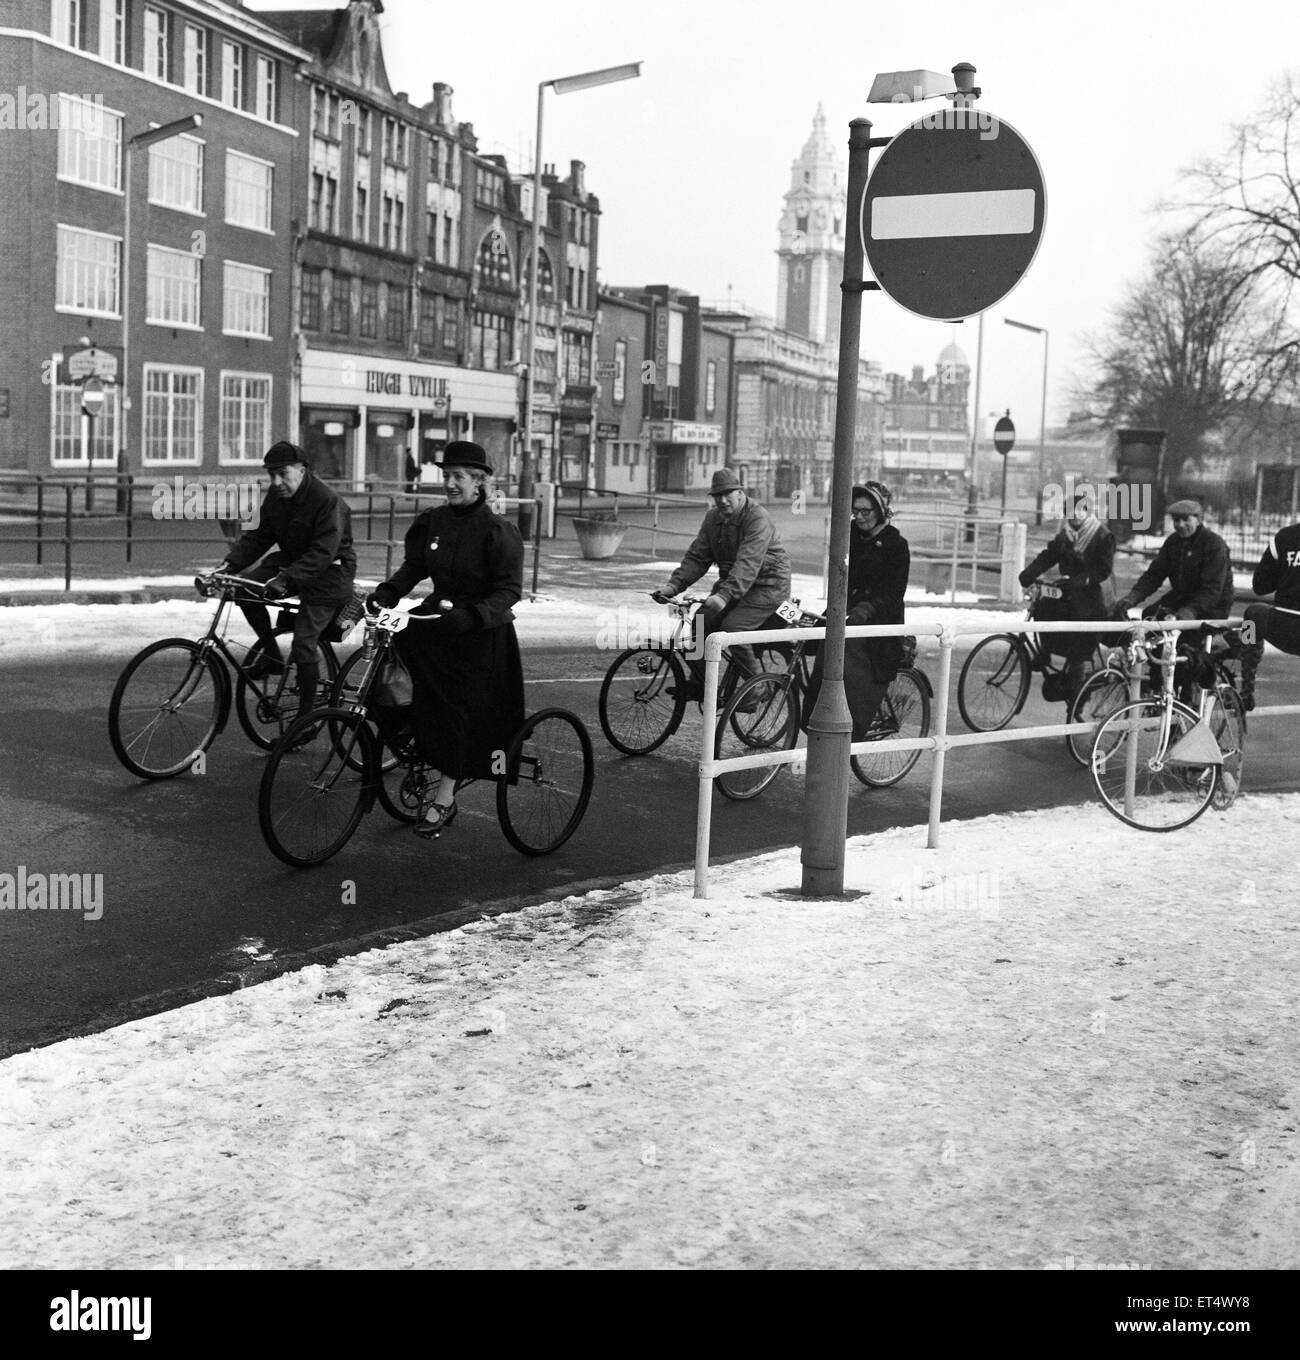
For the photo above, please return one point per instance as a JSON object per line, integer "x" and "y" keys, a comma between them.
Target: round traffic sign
{"x": 92, "y": 396}
{"x": 953, "y": 213}
{"x": 1004, "y": 434}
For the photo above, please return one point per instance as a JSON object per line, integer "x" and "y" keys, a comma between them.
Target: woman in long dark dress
{"x": 465, "y": 665}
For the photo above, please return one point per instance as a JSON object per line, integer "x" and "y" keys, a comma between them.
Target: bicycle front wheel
{"x": 317, "y": 786}
{"x": 994, "y": 683}
{"x": 1228, "y": 723}
{"x": 1172, "y": 783}
{"x": 266, "y": 707}
{"x": 543, "y": 795}
{"x": 1100, "y": 695}
{"x": 761, "y": 716}
{"x": 904, "y": 712}
{"x": 166, "y": 709}
{"x": 642, "y": 700}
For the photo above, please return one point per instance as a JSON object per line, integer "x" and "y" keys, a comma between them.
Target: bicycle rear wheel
{"x": 904, "y": 712}
{"x": 1228, "y": 723}
{"x": 761, "y": 716}
{"x": 166, "y": 708}
{"x": 1099, "y": 696}
{"x": 637, "y": 712}
{"x": 1170, "y": 788}
{"x": 317, "y": 786}
{"x": 266, "y": 716}
{"x": 994, "y": 683}
{"x": 542, "y": 798}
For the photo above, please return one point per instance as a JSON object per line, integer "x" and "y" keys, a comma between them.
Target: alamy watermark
{"x": 959, "y": 119}
{"x": 27, "y": 891}
{"x": 1109, "y": 500}
{"x": 182, "y": 498}
{"x": 24, "y": 110}
{"x": 925, "y": 890}
{"x": 619, "y": 629}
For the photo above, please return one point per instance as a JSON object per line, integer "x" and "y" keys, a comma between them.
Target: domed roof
{"x": 954, "y": 354}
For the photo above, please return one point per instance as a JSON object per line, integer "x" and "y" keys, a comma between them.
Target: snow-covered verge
{"x": 1053, "y": 1042}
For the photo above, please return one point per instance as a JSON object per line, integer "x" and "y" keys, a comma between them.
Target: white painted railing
{"x": 938, "y": 739}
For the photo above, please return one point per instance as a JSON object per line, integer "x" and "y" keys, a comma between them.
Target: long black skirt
{"x": 469, "y": 697}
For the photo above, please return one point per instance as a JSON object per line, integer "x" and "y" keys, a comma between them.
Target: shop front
{"x": 686, "y": 454}
{"x": 361, "y": 417}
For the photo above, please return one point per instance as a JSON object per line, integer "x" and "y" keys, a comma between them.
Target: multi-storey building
{"x": 927, "y": 428}
{"x": 189, "y": 306}
{"x": 681, "y": 388}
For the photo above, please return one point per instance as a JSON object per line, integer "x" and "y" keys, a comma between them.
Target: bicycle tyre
{"x": 266, "y": 717}
{"x": 907, "y": 704}
{"x": 542, "y": 797}
{"x": 346, "y": 693}
{"x": 1099, "y": 696}
{"x": 772, "y": 725}
{"x": 166, "y": 708}
{"x": 637, "y": 714}
{"x": 314, "y": 790}
{"x": 994, "y": 683}
{"x": 1165, "y": 798}
{"x": 1228, "y": 723}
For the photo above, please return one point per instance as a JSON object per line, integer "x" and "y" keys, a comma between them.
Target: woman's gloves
{"x": 382, "y": 597}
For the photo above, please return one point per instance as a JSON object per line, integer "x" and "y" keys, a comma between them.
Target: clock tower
{"x": 811, "y": 250}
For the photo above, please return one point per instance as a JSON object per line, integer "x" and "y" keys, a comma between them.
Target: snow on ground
{"x": 1051, "y": 1043}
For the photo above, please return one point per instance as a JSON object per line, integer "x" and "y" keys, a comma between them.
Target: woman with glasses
{"x": 879, "y": 564}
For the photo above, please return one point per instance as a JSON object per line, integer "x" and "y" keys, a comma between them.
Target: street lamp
{"x": 564, "y": 85}
{"x": 1042, "y": 428}
{"x": 141, "y": 139}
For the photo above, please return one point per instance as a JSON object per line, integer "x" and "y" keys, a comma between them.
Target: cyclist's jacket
{"x": 1082, "y": 573}
{"x": 878, "y": 571}
{"x": 752, "y": 562}
{"x": 1199, "y": 572}
{"x": 313, "y": 530}
{"x": 1279, "y": 570}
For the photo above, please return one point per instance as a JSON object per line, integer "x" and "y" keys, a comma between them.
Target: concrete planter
{"x": 600, "y": 539}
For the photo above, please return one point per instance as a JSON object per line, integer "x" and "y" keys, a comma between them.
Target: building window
{"x": 248, "y": 191}
{"x": 577, "y": 358}
{"x": 620, "y": 371}
{"x": 172, "y": 287}
{"x": 66, "y": 442}
{"x": 155, "y": 43}
{"x": 173, "y": 408}
{"x": 67, "y": 22}
{"x": 545, "y": 278}
{"x": 247, "y": 301}
{"x": 112, "y": 31}
{"x": 266, "y": 89}
{"x": 491, "y": 340}
{"x": 450, "y": 326}
{"x": 90, "y": 143}
{"x": 232, "y": 74}
{"x": 176, "y": 174}
{"x": 324, "y": 113}
{"x": 322, "y": 205}
{"x": 361, "y": 212}
{"x": 448, "y": 239}
{"x": 364, "y": 131}
{"x": 245, "y": 417}
{"x": 429, "y": 308}
{"x": 196, "y": 59}
{"x": 341, "y": 305}
{"x": 393, "y": 210}
{"x": 492, "y": 264}
{"x": 368, "y": 328}
{"x": 711, "y": 387}
{"x": 395, "y": 134}
{"x": 89, "y": 265}
{"x": 309, "y": 300}
{"x": 395, "y": 315}
{"x": 489, "y": 189}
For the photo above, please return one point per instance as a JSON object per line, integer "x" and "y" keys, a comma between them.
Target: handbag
{"x": 394, "y": 688}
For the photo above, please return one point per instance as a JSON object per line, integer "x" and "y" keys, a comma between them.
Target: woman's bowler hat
{"x": 462, "y": 453}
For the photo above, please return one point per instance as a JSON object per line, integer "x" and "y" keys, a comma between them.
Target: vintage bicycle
{"x": 767, "y": 713}
{"x": 332, "y": 765}
{"x": 174, "y": 697}
{"x": 1159, "y": 762}
{"x": 994, "y": 681}
{"x": 643, "y": 696}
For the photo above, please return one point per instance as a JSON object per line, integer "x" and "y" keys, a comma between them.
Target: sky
{"x": 692, "y": 160}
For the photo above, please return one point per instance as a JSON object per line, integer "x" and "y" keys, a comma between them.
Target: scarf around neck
{"x": 1084, "y": 534}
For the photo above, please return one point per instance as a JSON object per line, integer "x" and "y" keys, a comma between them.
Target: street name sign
{"x": 90, "y": 363}
{"x": 953, "y": 213}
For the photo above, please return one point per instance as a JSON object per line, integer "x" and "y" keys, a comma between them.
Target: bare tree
{"x": 1183, "y": 350}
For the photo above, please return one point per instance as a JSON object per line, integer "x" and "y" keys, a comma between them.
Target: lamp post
{"x": 1042, "y": 428}
{"x": 141, "y": 139}
{"x": 607, "y": 75}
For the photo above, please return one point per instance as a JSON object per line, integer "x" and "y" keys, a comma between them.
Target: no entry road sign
{"x": 1004, "y": 434}
{"x": 953, "y": 213}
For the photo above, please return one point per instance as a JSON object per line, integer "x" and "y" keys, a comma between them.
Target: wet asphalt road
{"x": 194, "y": 902}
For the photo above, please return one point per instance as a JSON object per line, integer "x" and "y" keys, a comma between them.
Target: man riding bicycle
{"x": 738, "y": 536}
{"x": 312, "y": 527}
{"x": 1278, "y": 574}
